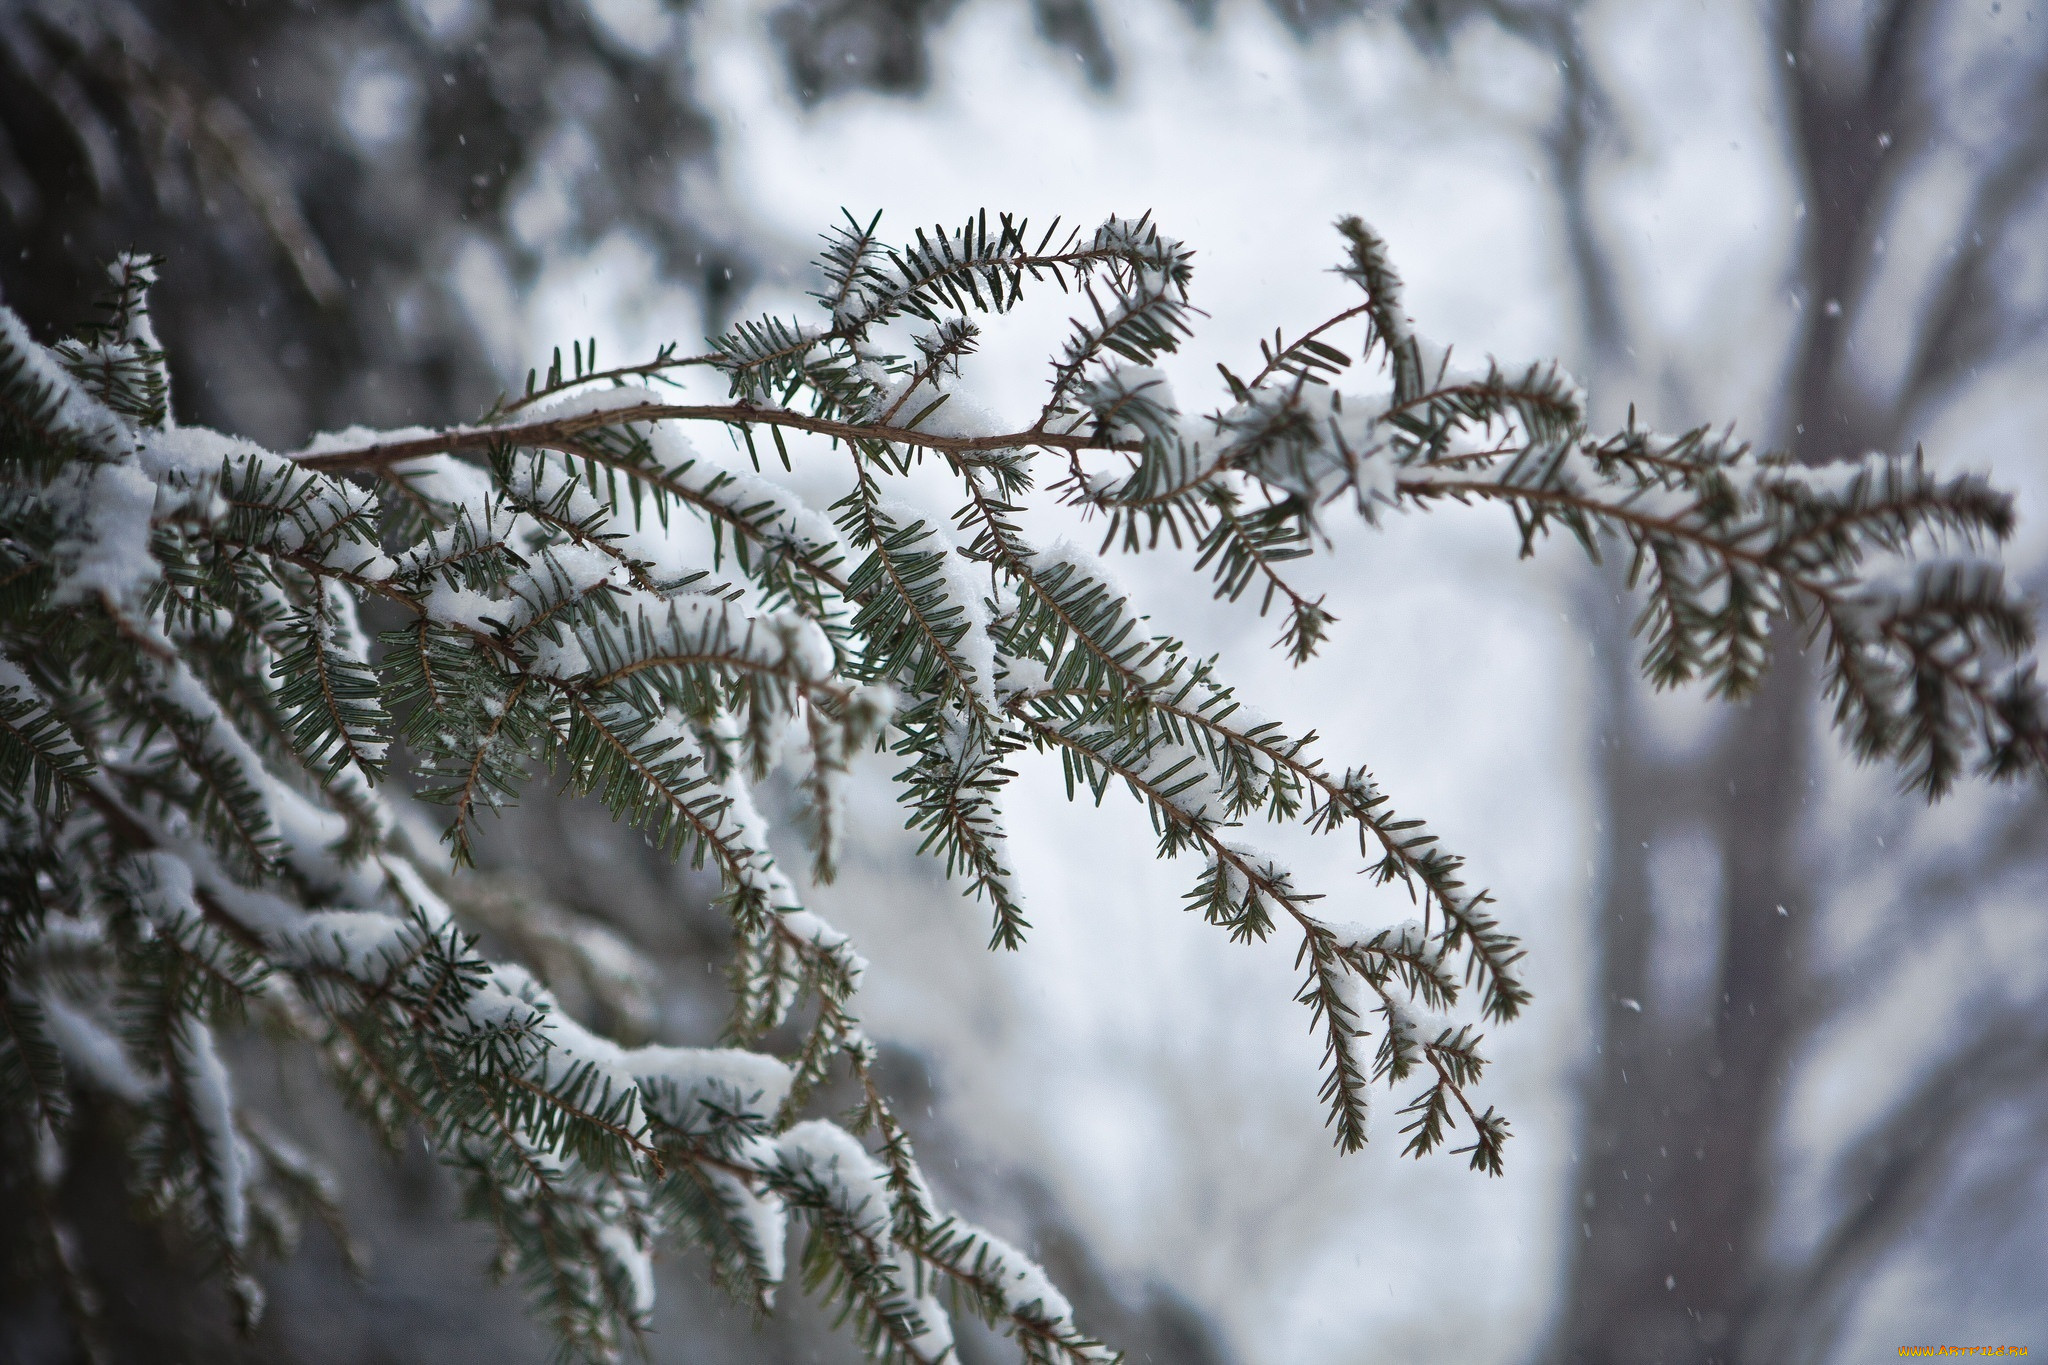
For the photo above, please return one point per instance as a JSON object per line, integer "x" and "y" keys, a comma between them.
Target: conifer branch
{"x": 191, "y": 723}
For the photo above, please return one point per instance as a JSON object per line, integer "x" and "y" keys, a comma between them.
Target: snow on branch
{"x": 195, "y": 725}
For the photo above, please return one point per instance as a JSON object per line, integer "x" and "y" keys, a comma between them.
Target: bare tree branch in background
{"x": 1679, "y": 1182}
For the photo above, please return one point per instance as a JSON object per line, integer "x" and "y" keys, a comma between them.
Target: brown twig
{"x": 558, "y": 433}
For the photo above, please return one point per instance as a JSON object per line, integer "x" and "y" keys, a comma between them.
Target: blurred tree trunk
{"x": 1674, "y": 1166}
{"x": 1668, "y": 1257}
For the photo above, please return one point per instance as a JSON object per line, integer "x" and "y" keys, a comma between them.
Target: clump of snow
{"x": 365, "y": 944}
{"x": 75, "y": 413}
{"x": 1082, "y": 564}
{"x": 1407, "y": 939}
{"x": 186, "y": 464}
{"x": 958, "y": 412}
{"x": 1137, "y": 237}
{"x": 1132, "y": 403}
{"x": 695, "y": 1089}
{"x": 812, "y": 929}
{"x": 595, "y": 402}
{"x": 762, "y": 1222}
{"x": 358, "y": 438}
{"x": 825, "y": 1157}
{"x": 210, "y": 1097}
{"x": 1314, "y": 443}
{"x": 933, "y": 1342}
{"x": 633, "y": 1259}
{"x": 160, "y": 886}
{"x": 93, "y": 1051}
{"x": 471, "y": 610}
{"x": 1026, "y": 1289}
{"x": 103, "y": 550}
{"x": 510, "y": 998}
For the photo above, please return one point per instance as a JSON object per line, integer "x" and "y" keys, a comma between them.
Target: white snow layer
{"x": 210, "y": 1095}
{"x": 92, "y": 1050}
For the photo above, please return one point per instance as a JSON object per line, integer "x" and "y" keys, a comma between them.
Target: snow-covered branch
{"x": 195, "y": 725}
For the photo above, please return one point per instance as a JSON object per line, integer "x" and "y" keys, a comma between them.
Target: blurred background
{"x": 1783, "y": 1095}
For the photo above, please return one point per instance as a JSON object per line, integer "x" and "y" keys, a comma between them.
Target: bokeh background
{"x": 1783, "y": 1094}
